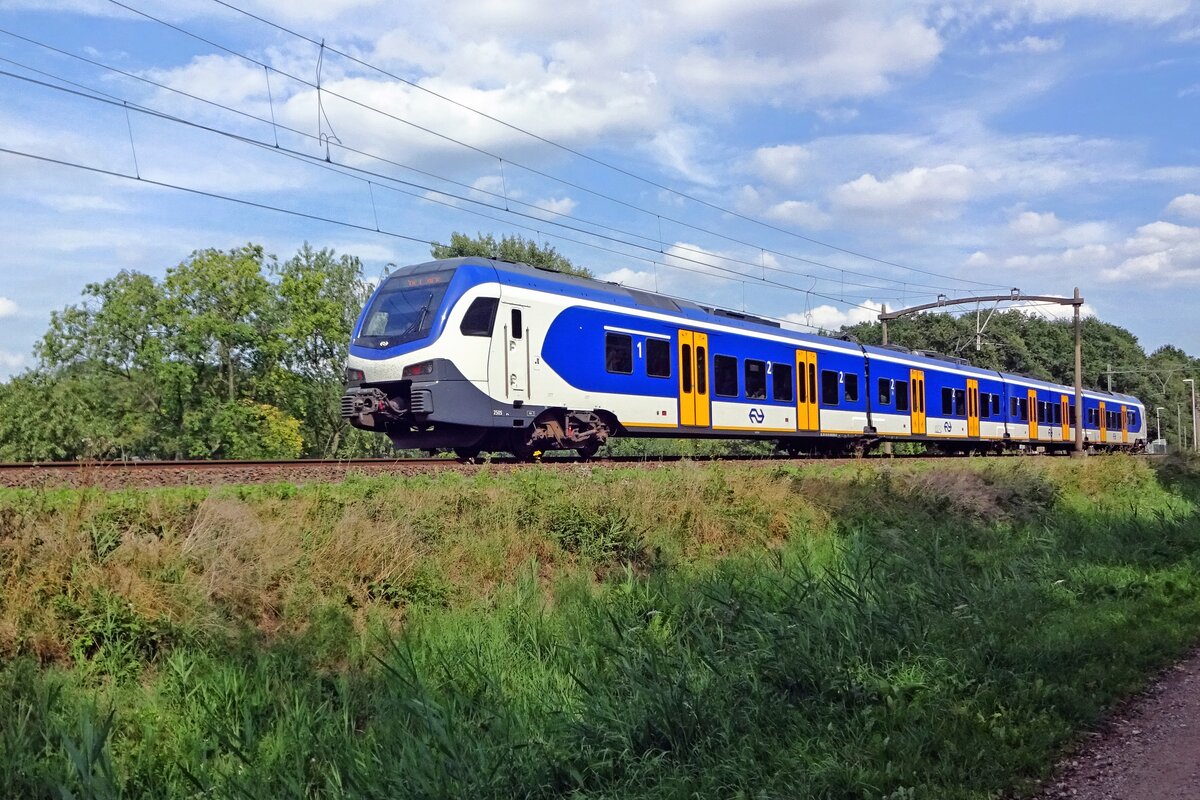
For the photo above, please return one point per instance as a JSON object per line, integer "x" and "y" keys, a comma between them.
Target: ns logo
{"x": 757, "y": 416}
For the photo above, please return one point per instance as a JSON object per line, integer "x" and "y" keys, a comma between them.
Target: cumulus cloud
{"x": 1031, "y": 223}
{"x": 798, "y": 213}
{"x": 831, "y": 318}
{"x": 8, "y": 308}
{"x": 1161, "y": 252}
{"x": 635, "y": 279}
{"x": 1186, "y": 205}
{"x": 937, "y": 192}
{"x": 783, "y": 164}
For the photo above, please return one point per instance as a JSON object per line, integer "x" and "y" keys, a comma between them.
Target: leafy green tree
{"x": 213, "y": 306}
{"x": 509, "y": 248}
{"x": 243, "y": 429}
{"x": 317, "y": 299}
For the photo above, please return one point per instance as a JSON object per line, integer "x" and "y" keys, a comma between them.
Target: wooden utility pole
{"x": 1078, "y": 451}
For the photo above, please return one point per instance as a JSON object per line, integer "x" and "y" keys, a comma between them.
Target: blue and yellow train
{"x": 474, "y": 354}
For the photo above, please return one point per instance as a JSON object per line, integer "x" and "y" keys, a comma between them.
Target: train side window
{"x": 885, "y": 392}
{"x": 947, "y": 402}
{"x": 658, "y": 358}
{"x": 851, "y": 387}
{"x": 781, "y": 383}
{"x": 480, "y": 317}
{"x": 1071, "y": 415}
{"x": 995, "y": 405}
{"x": 1131, "y": 417}
{"x": 756, "y": 379}
{"x": 725, "y": 382}
{"x": 1041, "y": 408}
{"x": 985, "y": 406}
{"x": 1057, "y": 414}
{"x": 829, "y": 388}
{"x": 902, "y": 395}
{"x": 960, "y": 402}
{"x": 1023, "y": 407}
{"x": 518, "y": 331}
{"x": 618, "y": 353}
{"x": 1014, "y": 410}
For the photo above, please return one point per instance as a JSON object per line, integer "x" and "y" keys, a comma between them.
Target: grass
{"x": 881, "y": 630}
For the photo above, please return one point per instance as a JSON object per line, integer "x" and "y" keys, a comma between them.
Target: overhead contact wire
{"x": 540, "y": 173}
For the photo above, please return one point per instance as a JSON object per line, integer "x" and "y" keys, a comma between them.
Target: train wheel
{"x": 467, "y": 454}
{"x": 588, "y": 450}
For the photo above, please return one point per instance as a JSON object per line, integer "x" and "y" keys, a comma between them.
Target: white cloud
{"x": 936, "y": 192}
{"x": 1053, "y": 311}
{"x": 11, "y": 362}
{"x": 1032, "y": 44}
{"x": 1154, "y": 12}
{"x": 1161, "y": 252}
{"x": 552, "y": 207}
{"x": 67, "y": 203}
{"x": 831, "y": 318}
{"x": 1031, "y": 223}
{"x": 1186, "y": 205}
{"x": 636, "y": 279}
{"x": 8, "y": 308}
{"x": 798, "y": 213}
{"x": 783, "y": 164}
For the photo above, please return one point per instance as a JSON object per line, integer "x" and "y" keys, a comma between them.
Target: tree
{"x": 243, "y": 429}
{"x": 509, "y": 248}
{"x": 213, "y": 306}
{"x": 317, "y": 300}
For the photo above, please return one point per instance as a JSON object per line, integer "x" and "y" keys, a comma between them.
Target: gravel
{"x": 1150, "y": 750}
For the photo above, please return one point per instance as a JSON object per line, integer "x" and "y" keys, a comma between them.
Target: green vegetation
{"x": 231, "y": 354}
{"x": 879, "y": 630}
{"x": 509, "y": 248}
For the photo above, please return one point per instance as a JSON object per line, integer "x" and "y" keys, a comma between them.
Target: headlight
{"x": 354, "y": 375}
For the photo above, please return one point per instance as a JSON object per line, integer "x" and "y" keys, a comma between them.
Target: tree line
{"x": 234, "y": 354}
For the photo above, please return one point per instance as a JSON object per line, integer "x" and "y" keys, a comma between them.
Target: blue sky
{"x": 853, "y": 153}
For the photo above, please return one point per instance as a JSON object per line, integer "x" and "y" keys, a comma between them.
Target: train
{"x": 475, "y": 355}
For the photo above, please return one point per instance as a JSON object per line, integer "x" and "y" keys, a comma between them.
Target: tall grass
{"x": 871, "y": 631}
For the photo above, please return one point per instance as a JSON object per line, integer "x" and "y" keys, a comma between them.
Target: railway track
{"x": 148, "y": 474}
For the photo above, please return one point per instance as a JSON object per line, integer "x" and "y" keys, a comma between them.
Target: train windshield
{"x": 404, "y": 309}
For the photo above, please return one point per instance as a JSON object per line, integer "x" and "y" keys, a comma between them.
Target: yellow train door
{"x": 1124, "y": 426}
{"x": 807, "y": 414}
{"x": 1031, "y": 398}
{"x": 693, "y": 379}
{"x": 916, "y": 400}
{"x": 972, "y": 408}
{"x": 1065, "y": 407}
{"x": 1103, "y": 423}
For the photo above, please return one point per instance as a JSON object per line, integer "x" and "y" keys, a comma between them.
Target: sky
{"x": 804, "y": 160}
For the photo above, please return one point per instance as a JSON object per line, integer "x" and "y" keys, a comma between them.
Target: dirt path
{"x": 1150, "y": 751}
